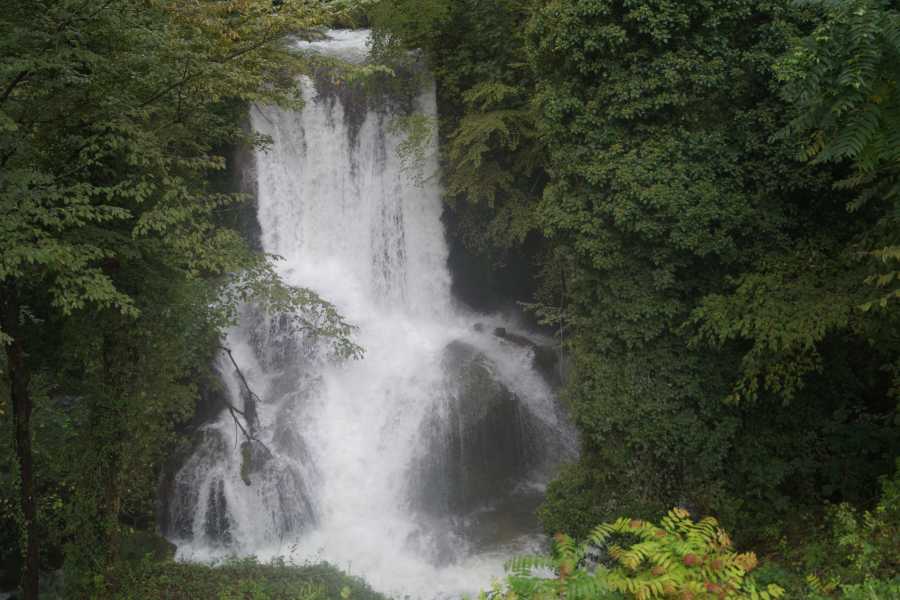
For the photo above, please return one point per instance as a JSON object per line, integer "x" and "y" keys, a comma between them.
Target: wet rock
{"x": 255, "y": 456}
{"x": 546, "y": 358}
{"x": 502, "y": 523}
{"x": 518, "y": 340}
{"x": 382, "y": 93}
{"x": 439, "y": 542}
{"x": 286, "y": 437}
{"x": 180, "y": 486}
{"x": 547, "y": 363}
{"x": 239, "y": 176}
{"x": 481, "y": 439}
{"x": 211, "y": 401}
{"x": 292, "y": 496}
{"x": 216, "y": 525}
{"x": 201, "y": 483}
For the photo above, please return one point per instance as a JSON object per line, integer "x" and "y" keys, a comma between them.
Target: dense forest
{"x": 698, "y": 199}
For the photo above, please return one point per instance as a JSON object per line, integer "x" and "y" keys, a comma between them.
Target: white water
{"x": 346, "y": 438}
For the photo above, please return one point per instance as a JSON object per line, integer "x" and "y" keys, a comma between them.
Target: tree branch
{"x": 12, "y": 85}
{"x": 186, "y": 78}
{"x": 231, "y": 409}
{"x": 21, "y": 75}
{"x": 249, "y": 412}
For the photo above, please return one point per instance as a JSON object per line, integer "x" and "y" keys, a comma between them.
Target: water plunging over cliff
{"x": 418, "y": 467}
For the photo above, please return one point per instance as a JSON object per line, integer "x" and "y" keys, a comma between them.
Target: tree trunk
{"x": 21, "y": 412}
{"x": 110, "y": 442}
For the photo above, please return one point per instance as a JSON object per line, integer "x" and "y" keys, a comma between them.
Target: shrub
{"x": 636, "y": 559}
{"x": 244, "y": 579}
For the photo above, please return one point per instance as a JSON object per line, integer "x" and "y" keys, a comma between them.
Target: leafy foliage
{"x": 863, "y": 545}
{"x": 637, "y": 559}
{"x": 677, "y": 175}
{"x": 703, "y": 272}
{"x": 116, "y": 254}
{"x": 97, "y": 162}
{"x": 842, "y": 80}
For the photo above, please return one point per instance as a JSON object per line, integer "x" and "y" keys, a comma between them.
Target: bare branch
{"x": 241, "y": 375}
{"x": 249, "y": 412}
{"x": 234, "y": 413}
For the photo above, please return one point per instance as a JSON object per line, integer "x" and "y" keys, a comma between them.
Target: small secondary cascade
{"x": 418, "y": 467}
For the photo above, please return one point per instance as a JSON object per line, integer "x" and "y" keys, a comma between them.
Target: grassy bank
{"x": 237, "y": 580}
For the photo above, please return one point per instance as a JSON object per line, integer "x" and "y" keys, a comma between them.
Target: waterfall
{"x": 418, "y": 467}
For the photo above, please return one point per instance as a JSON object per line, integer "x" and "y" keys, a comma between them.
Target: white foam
{"x": 352, "y": 225}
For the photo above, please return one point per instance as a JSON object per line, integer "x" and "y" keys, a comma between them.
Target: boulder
{"x": 480, "y": 439}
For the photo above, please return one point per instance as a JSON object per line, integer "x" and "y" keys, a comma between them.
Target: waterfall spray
{"x": 417, "y": 467}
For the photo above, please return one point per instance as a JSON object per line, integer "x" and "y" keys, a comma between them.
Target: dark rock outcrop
{"x": 546, "y": 358}
{"x": 480, "y": 442}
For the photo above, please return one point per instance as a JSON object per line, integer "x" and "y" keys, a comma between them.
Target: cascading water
{"x": 417, "y": 467}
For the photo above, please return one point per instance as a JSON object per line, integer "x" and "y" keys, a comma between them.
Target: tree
{"x": 842, "y": 83}
{"x": 112, "y": 117}
{"x": 705, "y": 280}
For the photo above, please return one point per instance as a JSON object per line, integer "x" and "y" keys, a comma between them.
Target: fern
{"x": 678, "y": 558}
{"x": 843, "y": 80}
